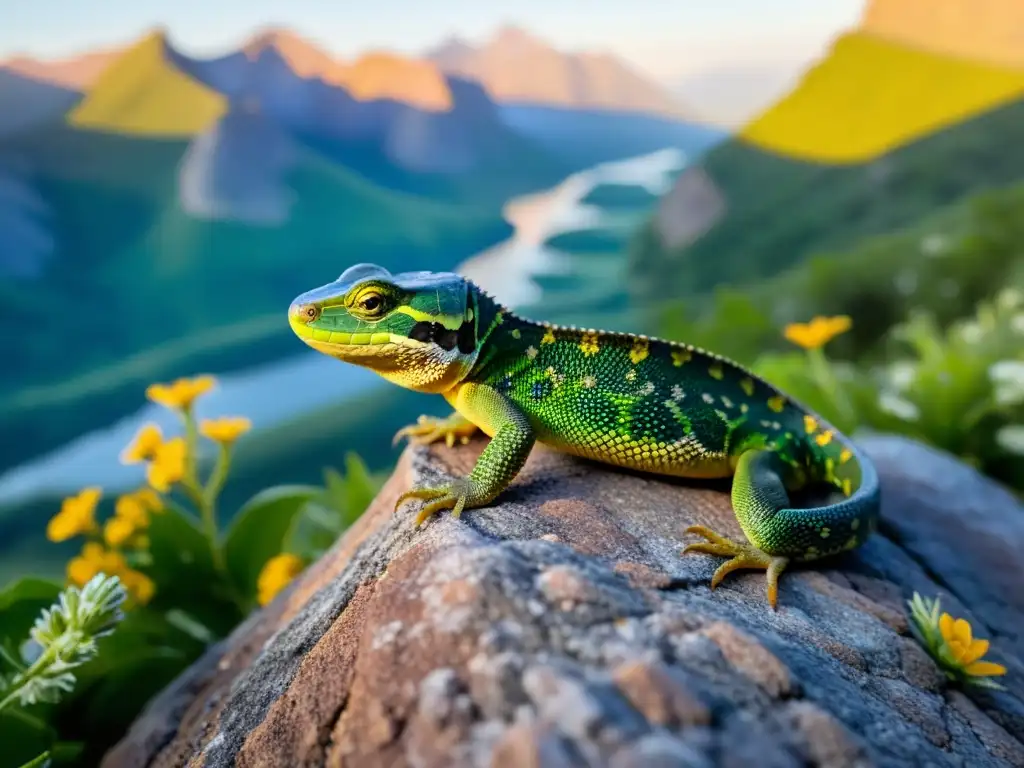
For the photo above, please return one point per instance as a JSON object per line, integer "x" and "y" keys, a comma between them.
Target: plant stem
{"x": 190, "y": 483}
{"x": 19, "y": 682}
{"x": 827, "y": 382}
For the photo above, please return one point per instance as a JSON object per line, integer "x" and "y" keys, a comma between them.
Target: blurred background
{"x": 708, "y": 172}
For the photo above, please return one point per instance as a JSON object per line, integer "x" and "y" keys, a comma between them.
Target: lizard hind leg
{"x": 758, "y": 492}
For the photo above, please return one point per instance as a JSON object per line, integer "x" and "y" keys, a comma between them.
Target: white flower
{"x": 933, "y": 245}
{"x": 1009, "y": 298}
{"x": 1007, "y": 377}
{"x": 971, "y": 332}
{"x": 901, "y": 375}
{"x": 1011, "y": 438}
{"x": 893, "y": 404}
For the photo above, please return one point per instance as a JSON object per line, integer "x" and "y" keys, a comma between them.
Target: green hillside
{"x": 140, "y": 291}
{"x": 780, "y": 210}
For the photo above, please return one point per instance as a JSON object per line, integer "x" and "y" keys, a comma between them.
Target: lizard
{"x": 632, "y": 401}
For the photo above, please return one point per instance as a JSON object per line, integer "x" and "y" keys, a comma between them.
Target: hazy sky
{"x": 667, "y": 38}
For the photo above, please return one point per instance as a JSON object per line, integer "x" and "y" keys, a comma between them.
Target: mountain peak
{"x": 984, "y": 30}
{"x": 515, "y": 66}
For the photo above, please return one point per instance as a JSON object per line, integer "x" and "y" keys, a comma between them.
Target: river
{"x": 507, "y": 271}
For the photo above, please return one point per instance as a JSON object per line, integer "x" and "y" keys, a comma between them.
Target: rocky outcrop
{"x": 561, "y": 627}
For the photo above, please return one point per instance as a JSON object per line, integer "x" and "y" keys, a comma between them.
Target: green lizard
{"x": 627, "y": 400}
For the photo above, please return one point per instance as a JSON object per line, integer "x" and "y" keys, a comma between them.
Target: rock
{"x": 561, "y": 627}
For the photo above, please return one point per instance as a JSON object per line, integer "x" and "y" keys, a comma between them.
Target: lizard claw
{"x": 452, "y": 496}
{"x": 741, "y": 556}
{"x": 430, "y": 429}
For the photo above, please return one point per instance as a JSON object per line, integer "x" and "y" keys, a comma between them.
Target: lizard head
{"x": 416, "y": 329}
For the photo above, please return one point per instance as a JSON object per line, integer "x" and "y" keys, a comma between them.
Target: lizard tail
{"x": 763, "y": 507}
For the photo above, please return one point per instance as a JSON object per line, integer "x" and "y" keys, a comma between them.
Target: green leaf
{"x": 20, "y": 605}
{"x": 360, "y": 488}
{"x": 184, "y": 572}
{"x": 23, "y": 737}
{"x": 258, "y": 531}
{"x": 39, "y": 761}
{"x": 313, "y": 531}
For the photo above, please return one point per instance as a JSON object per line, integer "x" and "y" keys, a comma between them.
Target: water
{"x": 506, "y": 270}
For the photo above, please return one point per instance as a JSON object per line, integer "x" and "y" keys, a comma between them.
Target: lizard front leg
{"x": 511, "y": 442}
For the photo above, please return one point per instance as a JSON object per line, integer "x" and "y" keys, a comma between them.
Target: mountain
{"x": 77, "y": 73}
{"x": 874, "y": 137}
{"x": 26, "y": 102}
{"x": 982, "y": 30}
{"x": 142, "y": 93}
{"x": 870, "y": 95}
{"x": 517, "y": 68}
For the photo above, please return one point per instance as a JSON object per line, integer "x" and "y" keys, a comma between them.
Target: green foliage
{"x": 51, "y": 658}
{"x": 780, "y": 211}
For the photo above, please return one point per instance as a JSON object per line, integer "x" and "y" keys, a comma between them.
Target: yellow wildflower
{"x": 951, "y": 643}
{"x": 965, "y": 649}
{"x": 92, "y": 560}
{"x": 149, "y": 499}
{"x": 130, "y": 509}
{"x": 77, "y": 515}
{"x": 226, "y": 429}
{"x": 144, "y": 446}
{"x": 168, "y": 465}
{"x": 139, "y": 586}
{"x": 118, "y": 530}
{"x": 277, "y": 572}
{"x": 818, "y": 332}
{"x": 180, "y": 394}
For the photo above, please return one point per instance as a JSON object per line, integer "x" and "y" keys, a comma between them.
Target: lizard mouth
{"x": 347, "y": 345}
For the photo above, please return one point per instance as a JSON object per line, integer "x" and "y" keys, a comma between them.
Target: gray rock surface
{"x": 561, "y": 627}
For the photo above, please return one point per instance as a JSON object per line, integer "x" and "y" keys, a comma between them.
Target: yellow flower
{"x": 118, "y": 530}
{"x": 275, "y": 575}
{"x": 150, "y": 500}
{"x": 139, "y": 586}
{"x": 77, "y": 515}
{"x": 95, "y": 559}
{"x": 818, "y": 332}
{"x": 951, "y": 643}
{"x": 180, "y": 394}
{"x": 965, "y": 649}
{"x": 144, "y": 446}
{"x": 131, "y": 510}
{"x": 168, "y": 465}
{"x": 226, "y": 429}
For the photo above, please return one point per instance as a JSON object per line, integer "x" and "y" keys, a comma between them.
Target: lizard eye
{"x": 371, "y": 302}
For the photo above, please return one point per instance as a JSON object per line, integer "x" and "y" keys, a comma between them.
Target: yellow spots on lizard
{"x": 727, "y": 402}
{"x": 556, "y": 377}
{"x": 589, "y": 345}
{"x": 824, "y": 438}
{"x": 825, "y": 532}
{"x": 810, "y": 424}
{"x": 747, "y": 385}
{"x": 516, "y": 334}
{"x": 549, "y": 337}
{"x": 744, "y": 407}
{"x": 707, "y": 398}
{"x": 847, "y": 488}
{"x": 531, "y": 352}
{"x": 640, "y": 350}
{"x": 677, "y": 392}
{"x": 850, "y": 543}
{"x": 811, "y": 552}
{"x": 647, "y": 389}
{"x": 777, "y": 403}
{"x": 680, "y": 356}
{"x": 855, "y": 524}
{"x": 631, "y": 375}
{"x": 845, "y": 455}
{"x": 589, "y": 382}
{"x": 499, "y": 318}
{"x": 715, "y": 371}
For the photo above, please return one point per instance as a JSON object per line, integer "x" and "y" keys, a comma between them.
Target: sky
{"x": 668, "y": 39}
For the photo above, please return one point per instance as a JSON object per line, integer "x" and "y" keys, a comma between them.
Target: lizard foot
{"x": 742, "y": 556}
{"x": 452, "y": 496}
{"x": 430, "y": 429}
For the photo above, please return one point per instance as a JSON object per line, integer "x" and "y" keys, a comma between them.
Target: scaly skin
{"x": 631, "y": 401}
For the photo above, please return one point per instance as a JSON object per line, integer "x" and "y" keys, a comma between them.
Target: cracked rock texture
{"x": 560, "y": 627}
